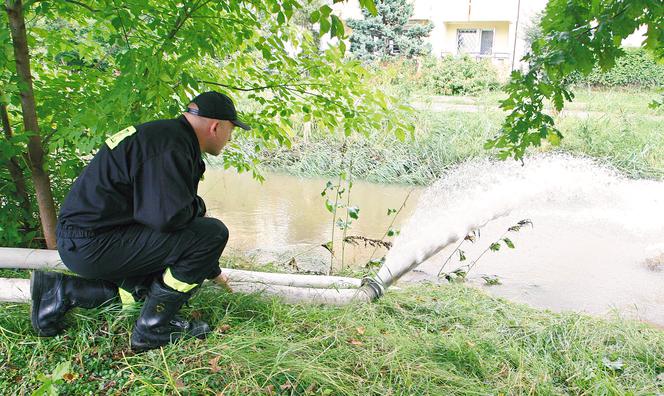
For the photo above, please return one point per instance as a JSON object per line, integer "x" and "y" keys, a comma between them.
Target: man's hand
{"x": 222, "y": 280}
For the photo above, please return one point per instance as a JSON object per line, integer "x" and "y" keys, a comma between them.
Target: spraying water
{"x": 594, "y": 230}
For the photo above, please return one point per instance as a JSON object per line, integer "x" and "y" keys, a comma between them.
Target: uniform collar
{"x": 186, "y": 125}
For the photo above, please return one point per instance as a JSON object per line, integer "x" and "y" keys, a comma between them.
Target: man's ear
{"x": 213, "y": 126}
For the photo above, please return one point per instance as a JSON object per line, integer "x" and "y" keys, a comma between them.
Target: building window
{"x": 475, "y": 41}
{"x": 486, "y": 42}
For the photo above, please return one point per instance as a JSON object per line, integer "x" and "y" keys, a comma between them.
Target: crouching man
{"x": 133, "y": 226}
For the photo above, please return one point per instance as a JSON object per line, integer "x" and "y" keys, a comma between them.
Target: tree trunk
{"x": 36, "y": 153}
{"x": 15, "y": 171}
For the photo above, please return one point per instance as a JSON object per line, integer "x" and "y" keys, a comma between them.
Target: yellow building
{"x": 490, "y": 29}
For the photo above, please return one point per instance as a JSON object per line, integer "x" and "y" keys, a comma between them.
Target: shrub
{"x": 429, "y": 75}
{"x": 459, "y": 76}
{"x": 636, "y": 68}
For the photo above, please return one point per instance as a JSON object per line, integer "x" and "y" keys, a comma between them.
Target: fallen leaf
{"x": 179, "y": 384}
{"x": 214, "y": 364}
{"x": 69, "y": 377}
{"x": 355, "y": 342}
{"x": 196, "y": 315}
{"x": 360, "y": 330}
{"x": 286, "y": 386}
{"x": 109, "y": 385}
{"x": 269, "y": 389}
{"x": 224, "y": 328}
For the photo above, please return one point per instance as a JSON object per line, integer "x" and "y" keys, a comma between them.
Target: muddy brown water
{"x": 563, "y": 263}
{"x": 286, "y": 217}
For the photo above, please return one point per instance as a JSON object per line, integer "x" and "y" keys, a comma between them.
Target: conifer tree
{"x": 387, "y": 35}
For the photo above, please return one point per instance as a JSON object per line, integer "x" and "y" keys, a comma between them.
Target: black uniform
{"x": 134, "y": 211}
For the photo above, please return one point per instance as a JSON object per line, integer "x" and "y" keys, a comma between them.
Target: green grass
{"x": 606, "y": 100}
{"x": 425, "y": 339}
{"x": 621, "y": 131}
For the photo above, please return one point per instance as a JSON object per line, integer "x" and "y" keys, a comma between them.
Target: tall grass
{"x": 425, "y": 339}
{"x": 634, "y": 144}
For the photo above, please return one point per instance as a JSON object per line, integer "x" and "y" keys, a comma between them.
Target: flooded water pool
{"x": 286, "y": 216}
{"x": 586, "y": 255}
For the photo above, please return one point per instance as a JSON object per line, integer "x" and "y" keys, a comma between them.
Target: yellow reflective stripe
{"x": 117, "y": 138}
{"x": 175, "y": 284}
{"x": 126, "y": 297}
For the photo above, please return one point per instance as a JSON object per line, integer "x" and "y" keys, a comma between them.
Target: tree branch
{"x": 124, "y": 30}
{"x": 180, "y": 22}
{"x": 80, "y": 4}
{"x": 263, "y": 87}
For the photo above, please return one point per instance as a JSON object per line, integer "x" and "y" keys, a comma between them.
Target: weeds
{"x": 620, "y": 130}
{"x": 352, "y": 212}
{"x": 461, "y": 273}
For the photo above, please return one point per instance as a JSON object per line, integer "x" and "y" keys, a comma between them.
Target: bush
{"x": 459, "y": 76}
{"x": 636, "y": 68}
{"x": 432, "y": 76}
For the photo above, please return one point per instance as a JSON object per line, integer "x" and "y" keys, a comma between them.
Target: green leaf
{"x": 509, "y": 243}
{"x": 392, "y": 232}
{"x": 325, "y": 11}
{"x": 314, "y": 17}
{"x": 353, "y": 212}
{"x": 329, "y": 205}
{"x": 495, "y": 246}
{"x": 374, "y": 263}
{"x": 338, "y": 29}
{"x": 324, "y": 26}
{"x": 370, "y": 6}
{"x": 553, "y": 138}
{"x": 45, "y": 389}
{"x": 60, "y": 370}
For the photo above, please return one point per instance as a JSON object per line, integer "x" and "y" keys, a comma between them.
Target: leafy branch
{"x": 576, "y": 44}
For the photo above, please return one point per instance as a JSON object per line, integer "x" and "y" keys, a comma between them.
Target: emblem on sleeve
{"x": 114, "y": 140}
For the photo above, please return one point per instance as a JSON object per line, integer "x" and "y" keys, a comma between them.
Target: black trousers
{"x": 134, "y": 255}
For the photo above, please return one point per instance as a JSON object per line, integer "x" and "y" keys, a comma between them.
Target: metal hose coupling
{"x": 372, "y": 287}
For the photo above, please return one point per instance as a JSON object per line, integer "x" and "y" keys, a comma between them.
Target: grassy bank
{"x": 633, "y": 142}
{"x": 425, "y": 339}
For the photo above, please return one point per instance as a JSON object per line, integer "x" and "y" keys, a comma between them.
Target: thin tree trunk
{"x": 15, "y": 171}
{"x": 36, "y": 153}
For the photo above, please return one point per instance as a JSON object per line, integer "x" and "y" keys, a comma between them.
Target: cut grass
{"x": 423, "y": 339}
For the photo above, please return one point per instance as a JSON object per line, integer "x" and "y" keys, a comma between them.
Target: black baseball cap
{"x": 216, "y": 105}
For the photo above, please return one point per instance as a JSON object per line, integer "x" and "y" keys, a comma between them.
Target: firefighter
{"x": 133, "y": 227}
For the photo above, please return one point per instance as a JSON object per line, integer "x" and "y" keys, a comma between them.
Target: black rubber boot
{"x": 53, "y": 294}
{"x": 159, "y": 323}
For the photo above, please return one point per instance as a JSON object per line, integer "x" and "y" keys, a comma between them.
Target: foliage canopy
{"x": 577, "y": 36}
{"x": 101, "y": 65}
